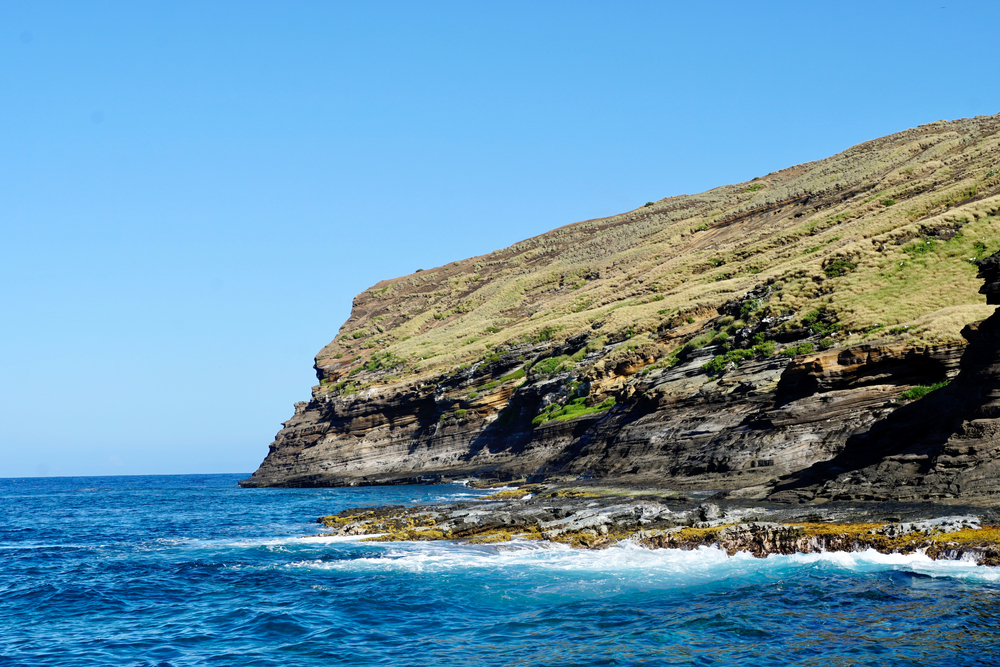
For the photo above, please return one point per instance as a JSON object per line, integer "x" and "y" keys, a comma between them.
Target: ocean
{"x": 192, "y": 570}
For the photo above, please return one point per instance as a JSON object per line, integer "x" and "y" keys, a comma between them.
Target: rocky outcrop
{"x": 670, "y": 426}
{"x": 764, "y": 341}
{"x": 944, "y": 447}
{"x": 596, "y": 519}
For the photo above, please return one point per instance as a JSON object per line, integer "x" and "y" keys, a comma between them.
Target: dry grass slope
{"x": 878, "y": 237}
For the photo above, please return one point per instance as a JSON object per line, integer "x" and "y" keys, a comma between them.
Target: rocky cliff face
{"x": 762, "y": 340}
{"x": 945, "y": 446}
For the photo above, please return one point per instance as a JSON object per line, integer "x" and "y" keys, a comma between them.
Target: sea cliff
{"x": 806, "y": 336}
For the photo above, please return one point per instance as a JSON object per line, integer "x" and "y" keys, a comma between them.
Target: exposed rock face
{"x": 944, "y": 446}
{"x": 596, "y": 519}
{"x": 756, "y": 340}
{"x": 676, "y": 426}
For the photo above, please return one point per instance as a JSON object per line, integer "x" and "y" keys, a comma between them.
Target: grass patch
{"x": 550, "y": 365}
{"x": 575, "y": 408}
{"x": 916, "y": 393}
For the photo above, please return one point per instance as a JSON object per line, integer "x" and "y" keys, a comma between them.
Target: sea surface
{"x": 192, "y": 570}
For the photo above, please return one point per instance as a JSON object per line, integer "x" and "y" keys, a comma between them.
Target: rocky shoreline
{"x": 595, "y": 517}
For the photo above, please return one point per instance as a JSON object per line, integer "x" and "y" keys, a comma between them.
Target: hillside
{"x": 573, "y": 352}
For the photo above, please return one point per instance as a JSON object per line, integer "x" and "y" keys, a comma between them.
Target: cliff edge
{"x": 756, "y": 339}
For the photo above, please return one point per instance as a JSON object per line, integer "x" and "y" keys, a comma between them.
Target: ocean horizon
{"x": 192, "y": 570}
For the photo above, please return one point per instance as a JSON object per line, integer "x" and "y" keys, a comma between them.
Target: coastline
{"x": 598, "y": 517}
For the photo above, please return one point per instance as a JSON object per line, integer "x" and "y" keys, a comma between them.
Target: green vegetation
{"x": 822, "y": 322}
{"x": 516, "y": 375}
{"x": 698, "y": 342}
{"x": 763, "y": 349}
{"x": 575, "y": 408}
{"x": 545, "y": 334}
{"x": 550, "y": 365}
{"x": 839, "y": 267}
{"x": 795, "y": 350}
{"x": 920, "y": 391}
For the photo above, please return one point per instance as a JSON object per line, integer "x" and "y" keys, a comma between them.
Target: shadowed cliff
{"x": 944, "y": 446}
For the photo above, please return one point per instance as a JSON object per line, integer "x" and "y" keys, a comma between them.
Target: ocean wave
{"x": 665, "y": 565}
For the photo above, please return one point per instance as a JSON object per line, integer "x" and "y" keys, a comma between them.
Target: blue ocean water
{"x": 192, "y": 570}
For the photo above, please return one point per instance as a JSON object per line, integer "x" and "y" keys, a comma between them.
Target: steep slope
{"x": 720, "y": 340}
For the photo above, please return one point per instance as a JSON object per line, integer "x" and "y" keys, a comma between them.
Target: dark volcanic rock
{"x": 943, "y": 446}
{"x": 673, "y": 346}
{"x": 586, "y": 519}
{"x": 675, "y": 427}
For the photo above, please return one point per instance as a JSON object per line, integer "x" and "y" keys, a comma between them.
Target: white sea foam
{"x": 634, "y": 562}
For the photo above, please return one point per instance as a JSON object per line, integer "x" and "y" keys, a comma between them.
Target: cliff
{"x": 751, "y": 339}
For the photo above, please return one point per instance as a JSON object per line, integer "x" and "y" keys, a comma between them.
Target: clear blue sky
{"x": 191, "y": 193}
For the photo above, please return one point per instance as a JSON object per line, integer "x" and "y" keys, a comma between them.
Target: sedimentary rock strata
{"x": 767, "y": 340}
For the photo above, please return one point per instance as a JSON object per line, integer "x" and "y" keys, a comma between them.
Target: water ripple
{"x": 194, "y": 571}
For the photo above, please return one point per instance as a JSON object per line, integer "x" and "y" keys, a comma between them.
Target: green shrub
{"x": 720, "y": 361}
{"x": 472, "y": 395}
{"x": 919, "y": 248}
{"x": 751, "y": 306}
{"x": 888, "y": 201}
{"x": 822, "y": 322}
{"x": 383, "y": 361}
{"x": 920, "y": 391}
{"x": 489, "y": 386}
{"x": 839, "y": 267}
{"x": 803, "y": 348}
{"x": 545, "y": 334}
{"x": 460, "y": 413}
{"x": 575, "y": 408}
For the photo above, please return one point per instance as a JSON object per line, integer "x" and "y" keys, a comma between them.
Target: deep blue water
{"x": 192, "y": 570}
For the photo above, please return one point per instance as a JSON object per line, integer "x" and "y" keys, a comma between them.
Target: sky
{"x": 191, "y": 193}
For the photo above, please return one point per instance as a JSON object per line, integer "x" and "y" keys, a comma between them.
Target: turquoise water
{"x": 192, "y": 570}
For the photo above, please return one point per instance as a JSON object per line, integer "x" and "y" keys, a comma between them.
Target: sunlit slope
{"x": 878, "y": 238}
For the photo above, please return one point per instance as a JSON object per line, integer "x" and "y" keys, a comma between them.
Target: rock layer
{"x": 731, "y": 341}
{"x": 595, "y": 519}
{"x": 945, "y": 446}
